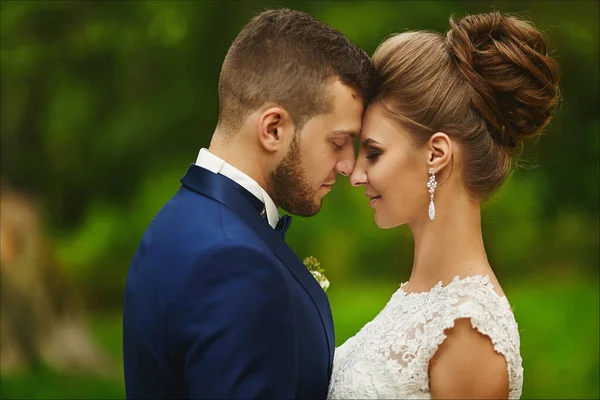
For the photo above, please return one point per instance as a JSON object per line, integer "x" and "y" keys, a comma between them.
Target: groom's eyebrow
{"x": 352, "y": 133}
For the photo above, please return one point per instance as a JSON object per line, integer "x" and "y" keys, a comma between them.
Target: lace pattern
{"x": 389, "y": 357}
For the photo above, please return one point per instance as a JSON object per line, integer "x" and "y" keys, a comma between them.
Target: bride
{"x": 448, "y": 116}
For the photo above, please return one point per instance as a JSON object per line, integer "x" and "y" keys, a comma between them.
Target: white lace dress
{"x": 389, "y": 357}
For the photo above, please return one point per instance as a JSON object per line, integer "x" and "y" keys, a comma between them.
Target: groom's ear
{"x": 439, "y": 151}
{"x": 275, "y": 129}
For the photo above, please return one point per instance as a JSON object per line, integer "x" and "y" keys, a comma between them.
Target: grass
{"x": 558, "y": 323}
{"x": 44, "y": 383}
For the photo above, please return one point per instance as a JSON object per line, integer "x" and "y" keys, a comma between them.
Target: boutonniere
{"x": 314, "y": 267}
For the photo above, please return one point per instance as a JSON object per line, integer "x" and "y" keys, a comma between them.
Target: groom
{"x": 217, "y": 305}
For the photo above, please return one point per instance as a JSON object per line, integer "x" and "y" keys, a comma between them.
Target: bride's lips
{"x": 373, "y": 199}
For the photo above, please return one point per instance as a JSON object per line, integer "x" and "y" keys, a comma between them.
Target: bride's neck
{"x": 450, "y": 245}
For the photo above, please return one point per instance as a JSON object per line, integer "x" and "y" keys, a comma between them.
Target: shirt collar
{"x": 216, "y": 165}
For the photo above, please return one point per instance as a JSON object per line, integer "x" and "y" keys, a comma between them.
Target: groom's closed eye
{"x": 339, "y": 143}
{"x": 341, "y": 136}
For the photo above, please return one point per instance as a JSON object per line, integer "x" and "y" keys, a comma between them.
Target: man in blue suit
{"x": 216, "y": 304}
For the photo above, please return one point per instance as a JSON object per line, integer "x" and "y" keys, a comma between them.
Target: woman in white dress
{"x": 448, "y": 116}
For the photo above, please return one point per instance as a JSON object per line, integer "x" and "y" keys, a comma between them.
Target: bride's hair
{"x": 489, "y": 83}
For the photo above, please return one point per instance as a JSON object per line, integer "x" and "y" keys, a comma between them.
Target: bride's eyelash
{"x": 373, "y": 154}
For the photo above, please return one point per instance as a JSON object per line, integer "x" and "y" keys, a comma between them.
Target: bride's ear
{"x": 439, "y": 151}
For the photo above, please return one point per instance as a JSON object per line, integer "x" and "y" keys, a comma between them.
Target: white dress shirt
{"x": 216, "y": 165}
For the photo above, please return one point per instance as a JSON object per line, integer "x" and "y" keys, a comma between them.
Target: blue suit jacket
{"x": 218, "y": 306}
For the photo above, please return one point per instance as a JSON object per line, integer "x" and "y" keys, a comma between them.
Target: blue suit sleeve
{"x": 234, "y": 320}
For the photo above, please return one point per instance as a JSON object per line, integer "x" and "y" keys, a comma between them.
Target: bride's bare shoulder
{"x": 467, "y": 366}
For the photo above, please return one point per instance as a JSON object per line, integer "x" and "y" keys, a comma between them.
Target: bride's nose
{"x": 358, "y": 177}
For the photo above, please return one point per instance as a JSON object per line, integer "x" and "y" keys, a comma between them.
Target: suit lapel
{"x": 248, "y": 207}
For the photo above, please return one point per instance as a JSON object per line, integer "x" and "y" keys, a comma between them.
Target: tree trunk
{"x": 41, "y": 316}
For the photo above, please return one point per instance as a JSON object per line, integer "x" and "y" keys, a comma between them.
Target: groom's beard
{"x": 292, "y": 192}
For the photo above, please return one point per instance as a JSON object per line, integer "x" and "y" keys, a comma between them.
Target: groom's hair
{"x": 288, "y": 57}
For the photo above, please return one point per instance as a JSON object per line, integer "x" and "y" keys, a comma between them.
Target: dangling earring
{"x": 431, "y": 184}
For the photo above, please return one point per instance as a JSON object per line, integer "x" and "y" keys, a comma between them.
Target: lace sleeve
{"x": 389, "y": 357}
{"x": 489, "y": 313}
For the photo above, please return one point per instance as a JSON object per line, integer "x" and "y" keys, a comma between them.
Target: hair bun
{"x": 514, "y": 81}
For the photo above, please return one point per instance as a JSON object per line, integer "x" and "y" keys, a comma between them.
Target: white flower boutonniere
{"x": 317, "y": 272}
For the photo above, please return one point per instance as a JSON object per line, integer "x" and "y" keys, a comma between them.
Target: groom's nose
{"x": 346, "y": 164}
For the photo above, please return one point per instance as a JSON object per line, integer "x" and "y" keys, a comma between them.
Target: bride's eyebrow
{"x": 369, "y": 141}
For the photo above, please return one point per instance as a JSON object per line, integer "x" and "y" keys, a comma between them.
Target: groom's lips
{"x": 327, "y": 186}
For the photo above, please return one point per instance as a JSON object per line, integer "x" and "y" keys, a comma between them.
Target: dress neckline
{"x": 484, "y": 280}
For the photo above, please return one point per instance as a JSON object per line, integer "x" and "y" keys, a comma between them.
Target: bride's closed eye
{"x": 372, "y": 151}
{"x": 373, "y": 154}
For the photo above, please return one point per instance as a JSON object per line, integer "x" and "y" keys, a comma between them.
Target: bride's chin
{"x": 382, "y": 223}
{"x": 385, "y": 223}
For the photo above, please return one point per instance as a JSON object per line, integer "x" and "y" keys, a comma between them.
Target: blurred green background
{"x": 105, "y": 104}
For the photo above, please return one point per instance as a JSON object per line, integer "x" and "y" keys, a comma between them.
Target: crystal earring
{"x": 431, "y": 184}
